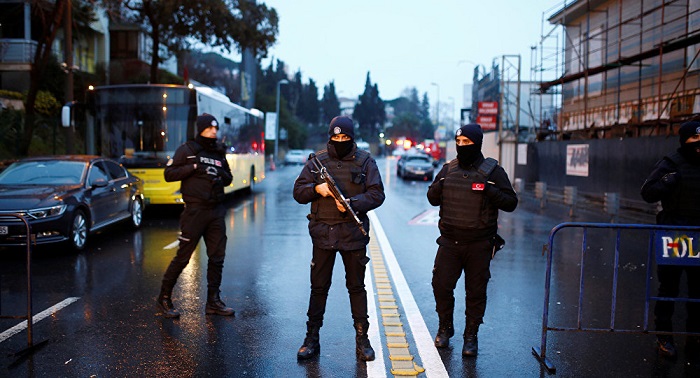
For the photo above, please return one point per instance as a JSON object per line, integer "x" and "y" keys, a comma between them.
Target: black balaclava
{"x": 204, "y": 121}
{"x": 690, "y": 151}
{"x": 467, "y": 155}
{"x": 342, "y": 149}
{"x": 342, "y": 125}
{"x": 209, "y": 144}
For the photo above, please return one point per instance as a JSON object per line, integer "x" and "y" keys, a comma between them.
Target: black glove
{"x": 490, "y": 190}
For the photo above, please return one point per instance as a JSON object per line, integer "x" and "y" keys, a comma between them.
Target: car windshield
{"x": 47, "y": 172}
{"x": 417, "y": 159}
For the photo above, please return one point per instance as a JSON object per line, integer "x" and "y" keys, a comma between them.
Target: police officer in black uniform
{"x": 333, "y": 230}
{"x": 675, "y": 181}
{"x": 202, "y": 167}
{"x": 469, "y": 190}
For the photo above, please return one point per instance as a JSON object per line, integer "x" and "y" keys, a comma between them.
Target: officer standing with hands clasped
{"x": 675, "y": 181}
{"x": 201, "y": 166}
{"x": 333, "y": 230}
{"x": 469, "y": 190}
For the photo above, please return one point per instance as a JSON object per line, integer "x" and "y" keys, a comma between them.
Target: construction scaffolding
{"x": 622, "y": 68}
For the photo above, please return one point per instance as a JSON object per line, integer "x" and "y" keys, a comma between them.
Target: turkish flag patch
{"x": 478, "y": 186}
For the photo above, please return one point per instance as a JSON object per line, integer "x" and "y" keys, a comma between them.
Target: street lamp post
{"x": 277, "y": 109}
{"x": 437, "y": 106}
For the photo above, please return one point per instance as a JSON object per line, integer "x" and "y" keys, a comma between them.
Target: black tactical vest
{"x": 464, "y": 204}
{"x": 202, "y": 185}
{"x": 349, "y": 176}
{"x": 684, "y": 203}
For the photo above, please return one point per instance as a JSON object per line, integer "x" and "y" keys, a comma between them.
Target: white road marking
{"x": 172, "y": 245}
{"x": 37, "y": 318}
{"x": 430, "y": 359}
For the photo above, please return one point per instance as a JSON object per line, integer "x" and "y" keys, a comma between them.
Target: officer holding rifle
{"x": 335, "y": 229}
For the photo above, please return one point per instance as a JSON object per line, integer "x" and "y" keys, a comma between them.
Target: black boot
{"x": 165, "y": 304}
{"x": 363, "y": 349}
{"x": 215, "y": 306}
{"x": 311, "y": 346}
{"x": 445, "y": 331}
{"x": 666, "y": 347}
{"x": 471, "y": 342}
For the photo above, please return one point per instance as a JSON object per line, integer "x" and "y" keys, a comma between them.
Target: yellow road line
{"x": 402, "y": 363}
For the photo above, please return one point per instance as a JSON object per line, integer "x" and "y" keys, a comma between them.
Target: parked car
{"x": 415, "y": 166}
{"x": 296, "y": 156}
{"x": 65, "y": 198}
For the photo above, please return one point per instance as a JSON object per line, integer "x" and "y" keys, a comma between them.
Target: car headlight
{"x": 47, "y": 212}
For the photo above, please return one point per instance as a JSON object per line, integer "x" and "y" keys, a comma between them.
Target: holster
{"x": 498, "y": 244}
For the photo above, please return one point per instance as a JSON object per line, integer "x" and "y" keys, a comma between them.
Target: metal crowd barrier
{"x": 654, "y": 231}
{"x": 29, "y": 315}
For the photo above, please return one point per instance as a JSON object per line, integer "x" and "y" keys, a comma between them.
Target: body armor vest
{"x": 463, "y": 207}
{"x": 205, "y": 184}
{"x": 349, "y": 176}
{"x": 685, "y": 201}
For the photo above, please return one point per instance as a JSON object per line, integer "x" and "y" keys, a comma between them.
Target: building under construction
{"x": 623, "y": 68}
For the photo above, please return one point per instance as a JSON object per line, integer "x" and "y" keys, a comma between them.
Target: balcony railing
{"x": 17, "y": 50}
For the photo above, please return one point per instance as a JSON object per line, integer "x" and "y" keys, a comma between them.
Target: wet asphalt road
{"x": 110, "y": 326}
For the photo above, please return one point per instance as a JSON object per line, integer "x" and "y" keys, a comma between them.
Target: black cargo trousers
{"x": 474, "y": 258}
{"x": 197, "y": 221}
{"x": 355, "y": 262}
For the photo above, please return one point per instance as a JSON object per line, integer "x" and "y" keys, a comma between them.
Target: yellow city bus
{"x": 141, "y": 126}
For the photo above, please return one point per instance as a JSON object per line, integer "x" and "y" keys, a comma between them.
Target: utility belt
{"x": 313, "y": 216}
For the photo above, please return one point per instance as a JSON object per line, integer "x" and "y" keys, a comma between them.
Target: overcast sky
{"x": 405, "y": 43}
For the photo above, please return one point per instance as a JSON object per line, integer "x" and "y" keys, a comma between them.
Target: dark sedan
{"x": 65, "y": 198}
{"x": 415, "y": 166}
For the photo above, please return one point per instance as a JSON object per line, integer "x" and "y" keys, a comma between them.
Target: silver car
{"x": 415, "y": 166}
{"x": 296, "y": 157}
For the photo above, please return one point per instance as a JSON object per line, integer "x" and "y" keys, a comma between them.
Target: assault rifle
{"x": 325, "y": 176}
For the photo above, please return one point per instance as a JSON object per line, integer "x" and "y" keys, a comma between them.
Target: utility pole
{"x": 277, "y": 109}
{"x": 68, "y": 55}
{"x": 437, "y": 106}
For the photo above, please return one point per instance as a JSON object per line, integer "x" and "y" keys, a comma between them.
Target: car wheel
{"x": 78, "y": 231}
{"x": 136, "y": 213}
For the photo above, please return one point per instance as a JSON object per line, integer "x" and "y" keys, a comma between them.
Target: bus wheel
{"x": 251, "y": 179}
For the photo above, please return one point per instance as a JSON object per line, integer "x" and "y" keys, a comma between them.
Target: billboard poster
{"x": 487, "y": 115}
{"x": 487, "y": 122}
{"x": 577, "y": 160}
{"x": 488, "y": 108}
{"x": 270, "y": 125}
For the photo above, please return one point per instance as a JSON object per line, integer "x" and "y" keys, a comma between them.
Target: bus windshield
{"x": 142, "y": 122}
{"x": 142, "y": 125}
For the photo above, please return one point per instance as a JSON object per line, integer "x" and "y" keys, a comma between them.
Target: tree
{"x": 330, "y": 106}
{"x": 173, "y": 25}
{"x": 427, "y": 129}
{"x": 309, "y": 110}
{"x": 215, "y": 71}
{"x": 405, "y": 125}
{"x": 369, "y": 112}
{"x": 48, "y": 19}
{"x": 294, "y": 89}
